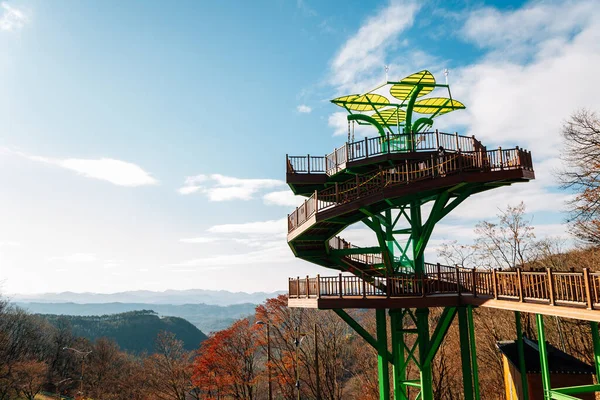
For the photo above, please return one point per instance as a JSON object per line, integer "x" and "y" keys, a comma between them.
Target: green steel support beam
{"x": 543, "y": 357}
{"x": 423, "y": 340}
{"x": 596, "y": 344}
{"x": 560, "y": 396}
{"x": 465, "y": 353}
{"x": 399, "y": 368}
{"x": 578, "y": 389}
{"x": 362, "y": 332}
{"x": 476, "y": 393}
{"x": 434, "y": 217}
{"x": 417, "y": 229}
{"x": 521, "y": 353}
{"x": 440, "y": 332}
{"x": 382, "y": 352}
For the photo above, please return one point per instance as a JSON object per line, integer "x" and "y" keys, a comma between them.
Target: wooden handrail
{"x": 572, "y": 289}
{"x": 400, "y": 174}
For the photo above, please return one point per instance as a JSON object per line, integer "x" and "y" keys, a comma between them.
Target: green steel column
{"x": 416, "y": 227}
{"x": 389, "y": 237}
{"x": 382, "y": 361}
{"x": 465, "y": 354}
{"x": 521, "y": 352}
{"x": 596, "y": 343}
{"x": 473, "y": 353}
{"x": 399, "y": 367}
{"x": 426, "y": 374}
{"x": 543, "y": 356}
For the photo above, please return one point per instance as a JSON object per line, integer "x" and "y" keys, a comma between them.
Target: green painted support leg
{"x": 382, "y": 351}
{"x": 399, "y": 367}
{"x": 521, "y": 352}
{"x": 543, "y": 357}
{"x": 465, "y": 353}
{"x": 426, "y": 374}
{"x": 473, "y": 353}
{"x": 596, "y": 344}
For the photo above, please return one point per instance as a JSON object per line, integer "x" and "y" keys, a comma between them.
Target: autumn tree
{"x": 227, "y": 363}
{"x": 581, "y": 174}
{"x": 169, "y": 370}
{"x": 29, "y": 377}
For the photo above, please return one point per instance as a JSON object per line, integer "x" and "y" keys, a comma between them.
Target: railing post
{"x": 316, "y": 202}
{"x": 298, "y": 287}
{"x": 550, "y": 286}
{"x": 364, "y": 286}
{"x": 308, "y": 163}
{"x": 473, "y": 280}
{"x": 588, "y": 289}
{"x": 388, "y": 287}
{"x": 500, "y": 157}
{"x": 318, "y": 286}
{"x": 307, "y": 287}
{"x": 340, "y": 285}
{"x": 388, "y": 142}
{"x": 520, "y": 282}
{"x": 457, "y": 144}
{"x": 406, "y": 171}
{"x": 423, "y": 291}
{"x": 457, "y": 280}
{"x": 439, "y": 273}
{"x": 495, "y": 283}
{"x": 335, "y": 161}
{"x": 366, "y": 147}
{"x": 437, "y": 139}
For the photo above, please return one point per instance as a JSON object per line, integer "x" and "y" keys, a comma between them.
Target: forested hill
{"x": 134, "y": 331}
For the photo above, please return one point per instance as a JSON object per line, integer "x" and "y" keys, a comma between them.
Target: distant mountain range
{"x": 192, "y": 296}
{"x": 208, "y": 318}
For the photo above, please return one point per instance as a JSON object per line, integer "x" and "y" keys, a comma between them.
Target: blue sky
{"x": 142, "y": 144}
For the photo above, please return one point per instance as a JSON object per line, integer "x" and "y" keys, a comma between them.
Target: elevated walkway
{"x": 564, "y": 294}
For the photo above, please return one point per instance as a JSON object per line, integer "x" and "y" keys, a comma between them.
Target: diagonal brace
{"x": 362, "y": 332}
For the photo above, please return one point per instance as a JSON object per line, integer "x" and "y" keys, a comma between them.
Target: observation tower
{"x": 400, "y": 183}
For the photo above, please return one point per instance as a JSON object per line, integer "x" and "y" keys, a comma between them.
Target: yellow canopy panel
{"x": 389, "y": 116}
{"x": 439, "y": 105}
{"x": 403, "y": 89}
{"x": 365, "y": 102}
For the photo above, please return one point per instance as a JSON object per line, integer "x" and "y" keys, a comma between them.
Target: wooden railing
{"x": 370, "y": 147}
{"x": 401, "y": 174}
{"x": 571, "y": 289}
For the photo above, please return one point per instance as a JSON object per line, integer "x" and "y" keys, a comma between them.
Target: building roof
{"x": 559, "y": 362}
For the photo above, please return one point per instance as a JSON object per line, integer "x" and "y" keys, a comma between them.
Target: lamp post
{"x": 297, "y": 341}
{"x": 83, "y": 355}
{"x": 267, "y": 324}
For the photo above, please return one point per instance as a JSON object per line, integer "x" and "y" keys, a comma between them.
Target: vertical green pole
{"x": 521, "y": 352}
{"x": 426, "y": 374}
{"x": 465, "y": 355}
{"x": 389, "y": 236}
{"x": 473, "y": 352}
{"x": 382, "y": 361}
{"x": 596, "y": 343}
{"x": 543, "y": 356}
{"x": 416, "y": 231}
{"x": 399, "y": 367}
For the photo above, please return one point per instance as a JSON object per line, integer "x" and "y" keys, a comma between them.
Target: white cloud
{"x": 9, "y": 243}
{"x": 272, "y": 227}
{"x": 201, "y": 239}
{"x": 117, "y": 172}
{"x": 362, "y": 57}
{"x": 303, "y": 108}
{"x": 76, "y": 258}
{"x": 222, "y": 188}
{"x": 283, "y": 198}
{"x": 11, "y": 18}
{"x": 515, "y": 33}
